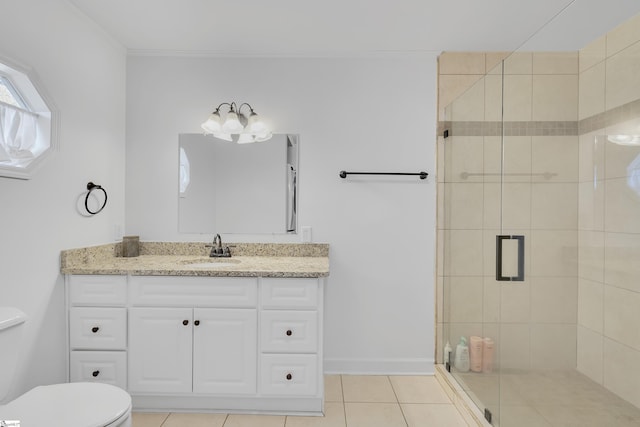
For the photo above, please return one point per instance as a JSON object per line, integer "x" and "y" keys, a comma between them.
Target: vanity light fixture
{"x": 236, "y": 126}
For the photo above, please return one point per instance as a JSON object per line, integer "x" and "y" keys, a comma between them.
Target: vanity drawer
{"x": 289, "y": 375}
{"x": 97, "y": 328}
{"x": 288, "y": 331}
{"x": 108, "y": 367}
{"x": 98, "y": 290}
{"x": 164, "y": 291}
{"x": 289, "y": 293}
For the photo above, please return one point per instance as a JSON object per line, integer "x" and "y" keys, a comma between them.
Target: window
{"x": 25, "y": 123}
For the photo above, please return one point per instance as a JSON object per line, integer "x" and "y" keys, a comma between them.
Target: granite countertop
{"x": 177, "y": 259}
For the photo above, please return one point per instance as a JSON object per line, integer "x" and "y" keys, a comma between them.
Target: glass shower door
{"x": 471, "y": 194}
{"x": 509, "y": 232}
{"x": 538, "y": 314}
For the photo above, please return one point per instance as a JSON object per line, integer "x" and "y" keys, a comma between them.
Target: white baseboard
{"x": 379, "y": 366}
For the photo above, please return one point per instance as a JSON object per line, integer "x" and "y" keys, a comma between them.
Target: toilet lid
{"x": 69, "y": 405}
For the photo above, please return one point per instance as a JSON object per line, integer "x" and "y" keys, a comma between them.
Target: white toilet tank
{"x": 11, "y": 320}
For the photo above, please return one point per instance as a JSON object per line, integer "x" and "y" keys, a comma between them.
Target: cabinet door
{"x": 224, "y": 351}
{"x": 160, "y": 341}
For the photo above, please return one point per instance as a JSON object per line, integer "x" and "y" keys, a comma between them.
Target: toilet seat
{"x": 70, "y": 405}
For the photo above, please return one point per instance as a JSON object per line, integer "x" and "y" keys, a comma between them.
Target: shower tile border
{"x": 614, "y": 116}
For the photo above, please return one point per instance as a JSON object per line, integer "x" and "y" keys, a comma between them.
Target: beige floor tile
{"x": 374, "y": 415}
{"x": 333, "y": 417}
{"x": 418, "y": 389}
{"x": 254, "y": 421}
{"x": 432, "y": 414}
{"x": 582, "y": 416}
{"x": 521, "y": 416}
{"x": 485, "y": 387}
{"x": 333, "y": 388}
{"x": 141, "y": 419}
{"x": 367, "y": 388}
{"x": 195, "y": 420}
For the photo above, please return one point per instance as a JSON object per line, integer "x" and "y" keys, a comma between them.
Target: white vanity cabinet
{"x": 235, "y": 344}
{"x": 201, "y": 350}
{"x": 193, "y": 334}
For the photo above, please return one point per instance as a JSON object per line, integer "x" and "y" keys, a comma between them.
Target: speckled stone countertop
{"x": 191, "y": 259}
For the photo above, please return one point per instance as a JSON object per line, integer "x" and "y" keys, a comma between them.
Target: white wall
{"x": 351, "y": 113}
{"x": 83, "y": 71}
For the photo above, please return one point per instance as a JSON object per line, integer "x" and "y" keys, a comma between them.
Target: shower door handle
{"x": 499, "y": 276}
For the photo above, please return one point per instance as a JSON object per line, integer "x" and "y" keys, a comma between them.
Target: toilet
{"x": 59, "y": 405}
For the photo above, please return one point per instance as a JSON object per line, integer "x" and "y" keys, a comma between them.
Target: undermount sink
{"x": 211, "y": 263}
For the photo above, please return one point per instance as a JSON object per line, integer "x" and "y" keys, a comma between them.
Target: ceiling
{"x": 352, "y": 27}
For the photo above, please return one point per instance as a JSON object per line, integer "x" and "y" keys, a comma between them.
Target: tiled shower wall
{"x": 589, "y": 211}
{"x": 533, "y": 322}
{"x": 609, "y": 212}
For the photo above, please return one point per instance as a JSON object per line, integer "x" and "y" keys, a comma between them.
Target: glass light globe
{"x": 223, "y": 136}
{"x": 246, "y": 138}
{"x": 263, "y": 137}
{"x": 624, "y": 139}
{"x": 232, "y": 123}
{"x": 213, "y": 123}
{"x": 255, "y": 124}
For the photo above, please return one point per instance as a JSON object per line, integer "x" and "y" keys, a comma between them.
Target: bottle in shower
{"x": 475, "y": 353}
{"x": 447, "y": 353}
{"x": 461, "y": 360}
{"x": 488, "y": 346}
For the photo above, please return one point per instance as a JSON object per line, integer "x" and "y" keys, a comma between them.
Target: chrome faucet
{"x": 217, "y": 250}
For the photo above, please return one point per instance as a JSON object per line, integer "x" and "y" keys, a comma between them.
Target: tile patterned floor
{"x": 350, "y": 401}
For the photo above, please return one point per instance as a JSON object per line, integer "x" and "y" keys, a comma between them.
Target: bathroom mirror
{"x": 226, "y": 187}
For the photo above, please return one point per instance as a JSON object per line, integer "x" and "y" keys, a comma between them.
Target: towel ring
{"x": 91, "y": 186}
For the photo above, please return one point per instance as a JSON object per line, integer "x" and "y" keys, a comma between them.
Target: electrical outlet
{"x": 117, "y": 232}
{"x": 306, "y": 234}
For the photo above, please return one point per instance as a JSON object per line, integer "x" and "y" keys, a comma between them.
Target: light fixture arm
{"x": 248, "y": 105}
{"x": 220, "y": 106}
{"x": 233, "y": 107}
